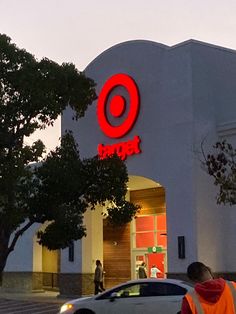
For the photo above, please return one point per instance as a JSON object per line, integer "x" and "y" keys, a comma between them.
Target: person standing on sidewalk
{"x": 98, "y": 278}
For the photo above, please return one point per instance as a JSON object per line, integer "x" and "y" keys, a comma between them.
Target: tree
{"x": 221, "y": 165}
{"x": 60, "y": 187}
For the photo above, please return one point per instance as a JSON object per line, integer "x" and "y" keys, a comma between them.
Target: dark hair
{"x": 197, "y": 270}
{"x": 98, "y": 262}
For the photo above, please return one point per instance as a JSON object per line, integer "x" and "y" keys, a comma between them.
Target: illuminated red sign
{"x": 122, "y": 149}
{"x": 117, "y": 107}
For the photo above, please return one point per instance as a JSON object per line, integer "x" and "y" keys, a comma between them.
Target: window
{"x": 132, "y": 290}
{"x": 145, "y": 239}
{"x": 145, "y": 289}
{"x": 149, "y": 231}
{"x": 144, "y": 223}
{"x": 164, "y": 289}
{"x": 71, "y": 252}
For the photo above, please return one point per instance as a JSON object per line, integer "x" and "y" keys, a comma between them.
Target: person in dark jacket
{"x": 210, "y": 296}
{"x": 142, "y": 271}
{"x": 98, "y": 278}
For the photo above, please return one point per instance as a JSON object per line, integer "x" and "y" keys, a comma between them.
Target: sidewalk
{"x": 46, "y": 296}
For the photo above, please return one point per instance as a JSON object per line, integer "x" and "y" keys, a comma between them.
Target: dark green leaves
{"x": 221, "y": 165}
{"x": 121, "y": 213}
{"x": 70, "y": 186}
{"x": 34, "y": 93}
{"x": 61, "y": 187}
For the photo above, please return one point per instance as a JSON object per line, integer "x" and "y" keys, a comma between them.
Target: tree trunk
{"x": 6, "y": 248}
{"x": 4, "y": 240}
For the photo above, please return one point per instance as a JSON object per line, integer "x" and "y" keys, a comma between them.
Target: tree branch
{"x": 17, "y": 235}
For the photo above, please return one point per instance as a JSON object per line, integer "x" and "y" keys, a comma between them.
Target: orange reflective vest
{"x": 225, "y": 305}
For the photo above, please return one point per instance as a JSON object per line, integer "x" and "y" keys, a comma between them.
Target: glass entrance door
{"x": 137, "y": 260}
{"x": 148, "y": 243}
{"x": 158, "y": 260}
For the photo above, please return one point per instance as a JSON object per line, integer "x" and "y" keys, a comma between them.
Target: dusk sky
{"x": 79, "y": 30}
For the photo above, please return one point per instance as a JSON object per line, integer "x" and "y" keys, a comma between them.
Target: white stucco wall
{"x": 75, "y": 266}
{"x": 165, "y": 126}
{"x": 37, "y": 255}
{"x": 187, "y": 92}
{"x": 214, "y": 97}
{"x": 21, "y": 259}
{"x": 92, "y": 244}
{"x": 88, "y": 249}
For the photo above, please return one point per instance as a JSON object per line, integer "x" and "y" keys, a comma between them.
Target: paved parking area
{"x": 28, "y": 307}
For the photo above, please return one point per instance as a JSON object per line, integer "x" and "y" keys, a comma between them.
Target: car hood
{"x": 76, "y": 301}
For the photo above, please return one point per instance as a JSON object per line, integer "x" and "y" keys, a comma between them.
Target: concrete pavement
{"x": 45, "y": 296}
{"x": 27, "y": 303}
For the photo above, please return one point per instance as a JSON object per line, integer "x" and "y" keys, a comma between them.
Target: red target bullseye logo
{"x": 117, "y": 105}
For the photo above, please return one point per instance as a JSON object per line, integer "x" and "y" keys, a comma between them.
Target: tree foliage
{"x": 221, "y": 165}
{"x": 120, "y": 213}
{"x": 61, "y": 187}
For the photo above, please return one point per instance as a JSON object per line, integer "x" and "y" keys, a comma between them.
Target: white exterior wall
{"x": 92, "y": 244}
{"x": 184, "y": 93}
{"x": 22, "y": 258}
{"x": 214, "y": 98}
{"x": 37, "y": 255}
{"x": 165, "y": 126}
{"x": 88, "y": 249}
{"x": 75, "y": 266}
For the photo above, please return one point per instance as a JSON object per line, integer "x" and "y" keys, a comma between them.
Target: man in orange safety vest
{"x": 210, "y": 296}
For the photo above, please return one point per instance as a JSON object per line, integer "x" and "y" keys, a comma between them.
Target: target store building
{"x": 156, "y": 105}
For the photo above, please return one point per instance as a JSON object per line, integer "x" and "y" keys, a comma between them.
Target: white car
{"x": 149, "y": 296}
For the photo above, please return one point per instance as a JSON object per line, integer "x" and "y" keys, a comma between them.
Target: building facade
{"x": 156, "y": 106}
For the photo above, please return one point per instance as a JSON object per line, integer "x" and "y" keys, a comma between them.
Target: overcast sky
{"x": 78, "y": 30}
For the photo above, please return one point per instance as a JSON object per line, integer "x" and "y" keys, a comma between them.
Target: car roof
{"x": 164, "y": 280}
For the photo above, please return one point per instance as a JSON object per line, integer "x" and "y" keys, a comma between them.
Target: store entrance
{"x": 150, "y": 259}
{"x": 149, "y": 232}
{"x": 139, "y": 258}
{"x": 144, "y": 240}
